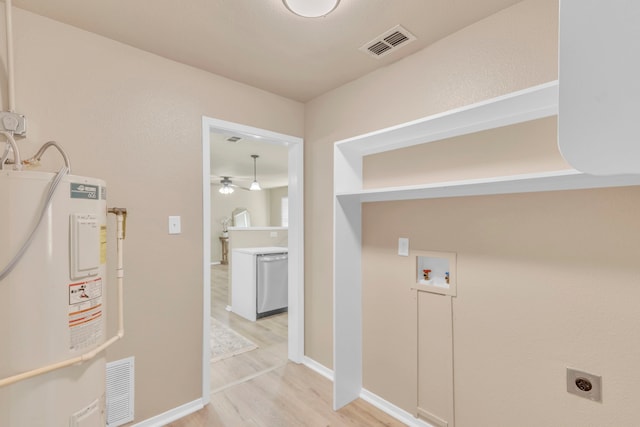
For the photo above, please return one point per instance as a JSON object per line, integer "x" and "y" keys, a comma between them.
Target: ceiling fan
{"x": 226, "y": 185}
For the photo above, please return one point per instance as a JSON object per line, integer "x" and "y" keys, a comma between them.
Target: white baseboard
{"x": 317, "y": 367}
{"x": 172, "y": 415}
{"x": 391, "y": 409}
{"x": 373, "y": 399}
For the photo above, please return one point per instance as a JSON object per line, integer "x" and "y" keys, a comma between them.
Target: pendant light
{"x": 311, "y": 8}
{"x": 254, "y": 185}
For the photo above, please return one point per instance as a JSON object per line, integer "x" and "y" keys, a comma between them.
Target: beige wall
{"x": 275, "y": 196}
{"x": 517, "y": 149}
{"x": 135, "y": 120}
{"x": 546, "y": 281}
{"x": 511, "y": 50}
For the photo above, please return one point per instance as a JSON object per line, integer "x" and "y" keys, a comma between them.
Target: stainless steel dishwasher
{"x": 271, "y": 283}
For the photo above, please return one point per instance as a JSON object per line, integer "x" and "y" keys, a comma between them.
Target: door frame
{"x": 295, "y": 232}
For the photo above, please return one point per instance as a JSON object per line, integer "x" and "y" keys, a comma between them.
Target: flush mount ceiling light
{"x": 311, "y": 8}
{"x": 254, "y": 185}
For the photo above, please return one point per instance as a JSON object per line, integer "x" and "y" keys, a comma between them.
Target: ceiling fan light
{"x": 225, "y": 189}
{"x": 311, "y": 8}
{"x": 255, "y": 186}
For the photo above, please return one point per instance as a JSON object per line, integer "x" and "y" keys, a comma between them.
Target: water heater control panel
{"x": 84, "y": 245}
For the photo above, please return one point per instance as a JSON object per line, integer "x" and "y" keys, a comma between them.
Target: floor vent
{"x": 120, "y": 380}
{"x": 388, "y": 42}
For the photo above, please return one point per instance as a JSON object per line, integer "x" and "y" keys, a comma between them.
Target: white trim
{"x": 296, "y": 250}
{"x": 567, "y": 179}
{"x": 172, "y": 414}
{"x": 206, "y": 256}
{"x": 318, "y": 368}
{"x": 296, "y": 237}
{"x": 347, "y": 301}
{"x": 393, "y": 410}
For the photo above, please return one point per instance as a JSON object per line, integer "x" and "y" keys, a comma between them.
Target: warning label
{"x": 84, "y": 191}
{"x": 85, "y": 313}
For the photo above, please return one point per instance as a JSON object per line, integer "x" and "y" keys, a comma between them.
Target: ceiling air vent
{"x": 388, "y": 42}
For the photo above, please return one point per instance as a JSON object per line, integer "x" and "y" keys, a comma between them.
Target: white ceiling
{"x": 233, "y": 160}
{"x": 262, "y": 44}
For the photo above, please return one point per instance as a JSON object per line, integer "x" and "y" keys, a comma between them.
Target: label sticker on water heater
{"x": 85, "y": 313}
{"x": 84, "y": 191}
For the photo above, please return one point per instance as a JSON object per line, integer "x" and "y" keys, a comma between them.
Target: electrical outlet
{"x": 584, "y": 384}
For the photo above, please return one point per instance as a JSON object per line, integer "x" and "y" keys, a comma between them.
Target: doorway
{"x": 295, "y": 339}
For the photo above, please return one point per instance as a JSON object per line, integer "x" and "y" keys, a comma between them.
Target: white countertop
{"x": 256, "y": 228}
{"x": 264, "y": 250}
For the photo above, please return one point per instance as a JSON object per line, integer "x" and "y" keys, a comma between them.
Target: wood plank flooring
{"x": 260, "y": 388}
{"x": 289, "y": 396}
{"x": 269, "y": 333}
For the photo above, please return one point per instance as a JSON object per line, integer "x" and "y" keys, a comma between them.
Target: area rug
{"x": 225, "y": 342}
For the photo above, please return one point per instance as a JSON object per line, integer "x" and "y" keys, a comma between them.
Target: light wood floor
{"x": 289, "y": 396}
{"x": 261, "y": 389}
{"x": 269, "y": 333}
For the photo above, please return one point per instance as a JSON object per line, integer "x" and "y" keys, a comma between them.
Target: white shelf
{"x": 522, "y": 106}
{"x": 569, "y": 179}
{"x": 516, "y": 107}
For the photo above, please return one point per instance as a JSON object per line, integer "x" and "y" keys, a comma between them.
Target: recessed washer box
{"x": 436, "y": 272}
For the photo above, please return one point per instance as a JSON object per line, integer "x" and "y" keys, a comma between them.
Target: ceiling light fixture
{"x": 225, "y": 189}
{"x": 254, "y": 185}
{"x": 226, "y": 186}
{"x": 311, "y": 8}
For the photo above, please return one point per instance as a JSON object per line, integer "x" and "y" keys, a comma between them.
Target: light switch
{"x": 174, "y": 225}
{"x": 403, "y": 246}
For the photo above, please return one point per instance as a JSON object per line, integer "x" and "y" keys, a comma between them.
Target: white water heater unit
{"x": 53, "y": 302}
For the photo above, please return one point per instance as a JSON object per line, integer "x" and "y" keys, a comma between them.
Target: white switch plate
{"x": 174, "y": 225}
{"x": 403, "y": 246}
